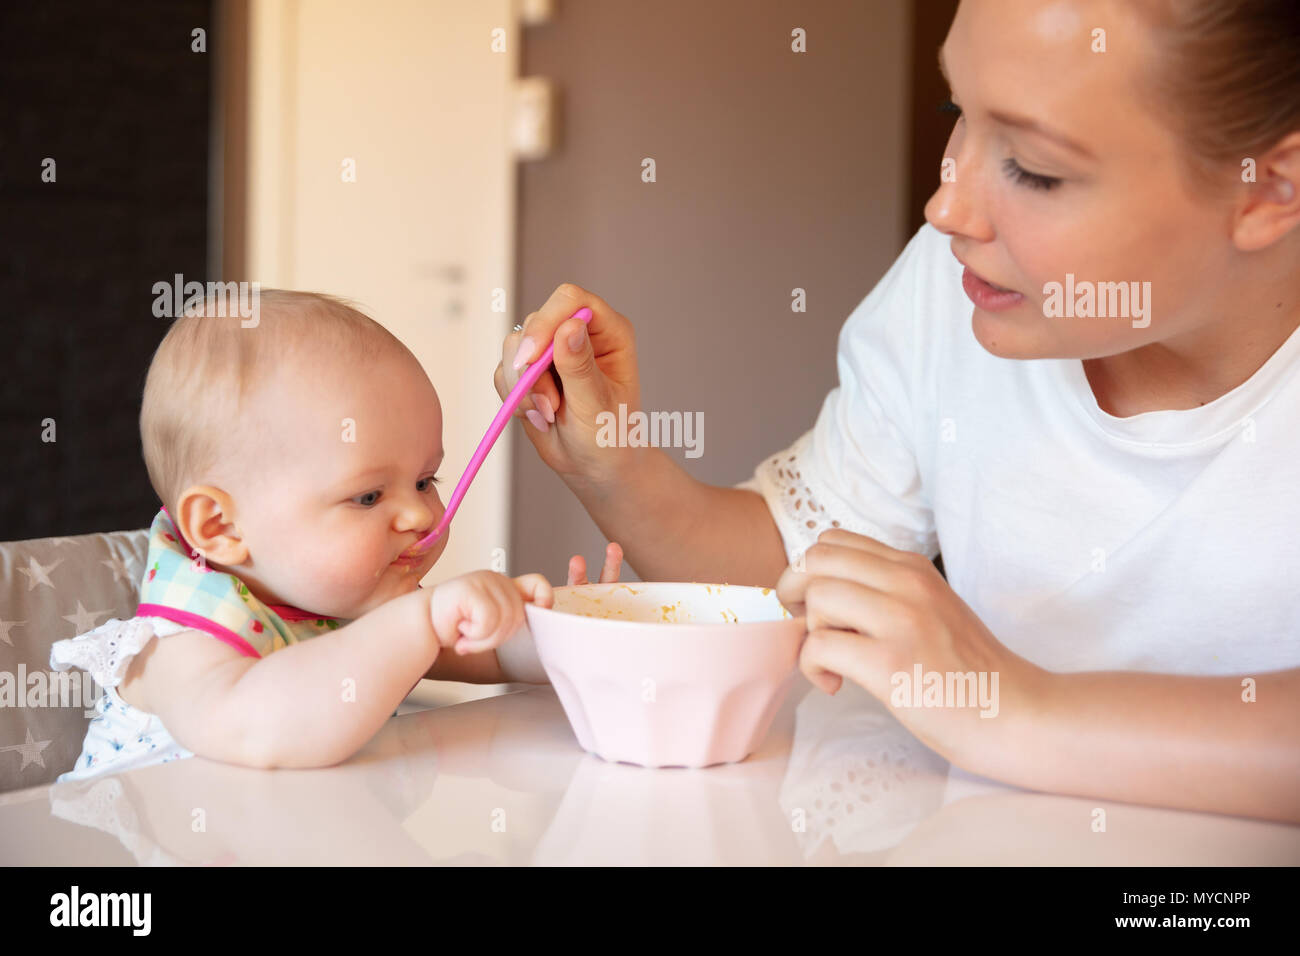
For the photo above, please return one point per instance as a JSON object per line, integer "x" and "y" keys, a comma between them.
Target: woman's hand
{"x": 479, "y": 611}
{"x": 875, "y": 613}
{"x": 608, "y": 574}
{"x": 596, "y": 365}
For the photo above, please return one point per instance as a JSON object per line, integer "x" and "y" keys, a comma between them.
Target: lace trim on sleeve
{"x": 107, "y": 650}
{"x": 799, "y": 503}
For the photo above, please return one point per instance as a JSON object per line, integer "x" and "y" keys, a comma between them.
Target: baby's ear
{"x": 203, "y": 518}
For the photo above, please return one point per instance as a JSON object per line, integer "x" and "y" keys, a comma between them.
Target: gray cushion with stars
{"x": 56, "y": 588}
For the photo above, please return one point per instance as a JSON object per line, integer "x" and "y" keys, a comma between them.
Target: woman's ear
{"x": 204, "y": 516}
{"x": 1271, "y": 207}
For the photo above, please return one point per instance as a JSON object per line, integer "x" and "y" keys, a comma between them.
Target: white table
{"x": 502, "y": 780}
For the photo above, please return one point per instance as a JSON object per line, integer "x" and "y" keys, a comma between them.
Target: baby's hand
{"x": 608, "y": 574}
{"x": 479, "y": 611}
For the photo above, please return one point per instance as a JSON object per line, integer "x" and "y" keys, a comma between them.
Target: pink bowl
{"x": 668, "y": 675}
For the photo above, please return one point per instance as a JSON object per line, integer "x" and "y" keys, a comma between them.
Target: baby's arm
{"x": 311, "y": 704}
{"x": 516, "y": 660}
{"x": 315, "y": 703}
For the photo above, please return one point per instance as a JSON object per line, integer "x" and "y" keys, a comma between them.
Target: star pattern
{"x": 120, "y": 571}
{"x": 38, "y": 573}
{"x": 82, "y": 619}
{"x": 4, "y": 630}
{"x": 30, "y": 750}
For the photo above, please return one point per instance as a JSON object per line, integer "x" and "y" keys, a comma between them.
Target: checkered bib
{"x": 178, "y": 592}
{"x": 179, "y": 586}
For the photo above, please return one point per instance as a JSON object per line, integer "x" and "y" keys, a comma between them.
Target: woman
{"x": 1115, "y": 506}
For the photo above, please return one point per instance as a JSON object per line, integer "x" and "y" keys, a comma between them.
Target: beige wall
{"x": 775, "y": 170}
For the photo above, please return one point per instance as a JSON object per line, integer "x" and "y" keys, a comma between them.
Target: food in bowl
{"x": 668, "y": 674}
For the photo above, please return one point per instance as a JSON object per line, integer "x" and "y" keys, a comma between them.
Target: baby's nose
{"x": 417, "y": 516}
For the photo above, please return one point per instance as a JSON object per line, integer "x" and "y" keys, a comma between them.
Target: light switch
{"x": 533, "y": 12}
{"x": 535, "y": 117}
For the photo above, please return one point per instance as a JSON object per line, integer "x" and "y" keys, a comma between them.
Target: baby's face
{"x": 349, "y": 488}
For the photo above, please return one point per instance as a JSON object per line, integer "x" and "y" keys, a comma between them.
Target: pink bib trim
{"x": 189, "y": 619}
{"x": 288, "y": 613}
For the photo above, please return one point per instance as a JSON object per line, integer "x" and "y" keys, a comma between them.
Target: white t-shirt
{"x": 1168, "y": 541}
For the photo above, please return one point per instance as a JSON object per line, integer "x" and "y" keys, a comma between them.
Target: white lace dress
{"x": 120, "y": 737}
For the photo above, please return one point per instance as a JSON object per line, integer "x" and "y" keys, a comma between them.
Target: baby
{"x": 297, "y": 462}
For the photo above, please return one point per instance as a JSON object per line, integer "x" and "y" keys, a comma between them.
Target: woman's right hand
{"x": 597, "y": 372}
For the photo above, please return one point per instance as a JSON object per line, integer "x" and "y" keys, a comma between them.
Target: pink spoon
{"x": 526, "y": 382}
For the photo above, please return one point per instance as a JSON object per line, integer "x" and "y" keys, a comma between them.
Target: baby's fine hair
{"x": 209, "y": 364}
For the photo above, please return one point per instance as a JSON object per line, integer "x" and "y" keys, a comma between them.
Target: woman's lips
{"x": 987, "y": 296}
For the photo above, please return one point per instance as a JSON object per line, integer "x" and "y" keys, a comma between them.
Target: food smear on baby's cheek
{"x": 403, "y": 569}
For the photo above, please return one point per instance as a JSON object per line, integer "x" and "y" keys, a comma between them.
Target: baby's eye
{"x": 368, "y": 499}
{"x": 424, "y": 483}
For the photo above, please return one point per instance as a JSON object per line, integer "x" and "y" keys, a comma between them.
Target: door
{"x": 379, "y": 169}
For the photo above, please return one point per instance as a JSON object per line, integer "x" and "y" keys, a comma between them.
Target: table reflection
{"x": 502, "y": 781}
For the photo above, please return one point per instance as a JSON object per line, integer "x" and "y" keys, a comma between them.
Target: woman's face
{"x": 1061, "y": 168}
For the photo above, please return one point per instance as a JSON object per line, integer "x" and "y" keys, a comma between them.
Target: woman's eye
{"x": 948, "y": 106}
{"x": 424, "y": 483}
{"x": 368, "y": 499}
{"x": 1024, "y": 177}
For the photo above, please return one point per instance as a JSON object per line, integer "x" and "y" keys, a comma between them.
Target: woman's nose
{"x": 956, "y": 207}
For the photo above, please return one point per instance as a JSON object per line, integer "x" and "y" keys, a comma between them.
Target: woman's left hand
{"x": 876, "y": 615}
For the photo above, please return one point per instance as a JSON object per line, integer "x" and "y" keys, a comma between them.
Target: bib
{"x": 179, "y": 587}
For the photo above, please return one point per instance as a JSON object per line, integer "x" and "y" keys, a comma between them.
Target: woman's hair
{"x": 193, "y": 416}
{"x": 1227, "y": 72}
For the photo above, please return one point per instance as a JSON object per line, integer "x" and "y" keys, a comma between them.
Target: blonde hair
{"x": 1227, "y": 72}
{"x": 208, "y": 365}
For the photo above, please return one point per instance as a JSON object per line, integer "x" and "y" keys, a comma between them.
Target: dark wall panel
{"x": 114, "y": 94}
